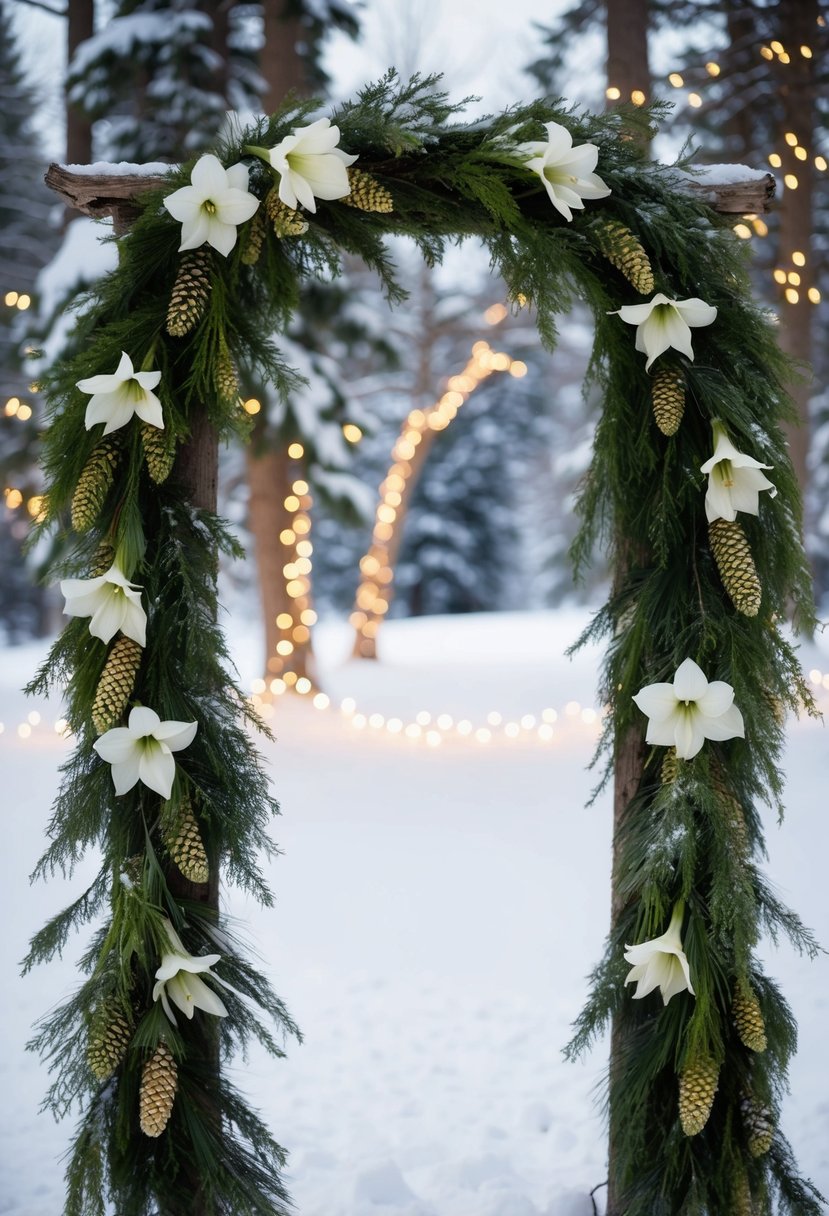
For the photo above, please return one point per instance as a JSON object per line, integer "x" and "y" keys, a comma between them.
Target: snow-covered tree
{"x": 28, "y": 237}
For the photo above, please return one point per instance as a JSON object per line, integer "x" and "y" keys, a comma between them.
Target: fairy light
{"x": 676, "y": 80}
{"x": 694, "y": 100}
{"x": 351, "y": 432}
{"x": 638, "y": 97}
{"x": 792, "y": 296}
{"x": 713, "y": 69}
{"x": 10, "y": 299}
{"x": 775, "y": 160}
{"x": 790, "y": 181}
{"x": 12, "y": 406}
{"x": 777, "y": 47}
{"x": 791, "y": 139}
{"x": 820, "y": 163}
{"x": 743, "y": 231}
{"x": 612, "y": 93}
{"x": 286, "y": 664}
{"x": 13, "y": 499}
{"x": 374, "y": 593}
{"x": 814, "y": 295}
{"x": 251, "y": 406}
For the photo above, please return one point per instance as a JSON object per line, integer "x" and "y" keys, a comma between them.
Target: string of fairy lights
{"x": 425, "y": 728}
{"x": 377, "y": 565}
{"x": 791, "y": 278}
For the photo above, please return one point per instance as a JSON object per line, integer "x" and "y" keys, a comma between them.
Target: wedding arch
{"x": 699, "y": 673}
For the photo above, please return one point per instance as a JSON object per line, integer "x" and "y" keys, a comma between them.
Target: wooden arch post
{"x": 196, "y": 469}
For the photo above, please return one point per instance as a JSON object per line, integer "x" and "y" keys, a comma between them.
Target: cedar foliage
{"x": 643, "y": 496}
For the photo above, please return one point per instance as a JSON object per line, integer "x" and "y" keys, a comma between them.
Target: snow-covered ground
{"x": 438, "y": 908}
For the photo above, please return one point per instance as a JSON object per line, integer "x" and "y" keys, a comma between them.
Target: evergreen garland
{"x": 691, "y": 832}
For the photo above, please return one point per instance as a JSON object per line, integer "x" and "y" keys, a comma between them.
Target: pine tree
{"x": 28, "y": 238}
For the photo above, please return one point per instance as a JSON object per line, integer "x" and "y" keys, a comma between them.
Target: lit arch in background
{"x": 409, "y": 455}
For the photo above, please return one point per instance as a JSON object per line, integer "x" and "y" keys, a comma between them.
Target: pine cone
{"x": 227, "y": 382}
{"x": 190, "y": 294}
{"x": 736, "y": 565}
{"x": 286, "y": 221}
{"x": 159, "y": 451}
{"x": 254, "y": 238}
{"x": 735, "y": 818}
{"x": 670, "y": 767}
{"x": 759, "y": 1125}
{"x": 116, "y": 683}
{"x": 93, "y": 485}
{"x": 668, "y": 398}
{"x": 367, "y": 194}
{"x": 697, "y": 1086}
{"x": 748, "y": 1017}
{"x": 102, "y": 560}
{"x": 741, "y": 1201}
{"x": 158, "y": 1091}
{"x": 109, "y": 1036}
{"x": 624, "y": 251}
{"x": 184, "y": 843}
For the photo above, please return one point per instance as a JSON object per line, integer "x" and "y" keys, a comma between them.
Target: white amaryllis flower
{"x": 177, "y": 980}
{"x": 567, "y": 172}
{"x": 660, "y": 963}
{"x": 111, "y": 600}
{"x": 665, "y": 323}
{"x": 734, "y": 480}
{"x": 689, "y": 711}
{"x": 117, "y": 397}
{"x": 143, "y": 750}
{"x": 213, "y": 205}
{"x": 310, "y": 165}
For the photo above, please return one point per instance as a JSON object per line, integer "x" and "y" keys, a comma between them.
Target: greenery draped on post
{"x": 195, "y": 324}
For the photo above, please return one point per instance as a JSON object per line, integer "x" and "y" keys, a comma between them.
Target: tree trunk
{"x": 197, "y": 469}
{"x": 80, "y": 25}
{"x": 628, "y": 67}
{"x": 271, "y": 471}
{"x": 798, "y": 24}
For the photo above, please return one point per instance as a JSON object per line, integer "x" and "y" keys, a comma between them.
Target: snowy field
{"x": 439, "y": 905}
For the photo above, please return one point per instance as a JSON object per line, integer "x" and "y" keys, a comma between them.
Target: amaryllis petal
{"x": 657, "y": 700}
{"x": 149, "y": 410}
{"x": 717, "y": 698}
{"x": 143, "y": 721}
{"x": 729, "y": 725}
{"x": 677, "y": 332}
{"x": 195, "y": 230}
{"x": 236, "y": 206}
{"x": 127, "y": 773}
{"x": 157, "y": 768}
{"x": 696, "y": 312}
{"x": 176, "y": 735}
{"x": 238, "y": 177}
{"x": 221, "y": 236}
{"x": 107, "y": 618}
{"x": 116, "y": 746}
{"x": 689, "y": 682}
{"x": 208, "y": 176}
{"x": 690, "y": 736}
{"x": 662, "y": 731}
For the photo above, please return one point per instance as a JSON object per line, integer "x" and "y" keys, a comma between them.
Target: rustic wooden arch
{"x": 196, "y": 469}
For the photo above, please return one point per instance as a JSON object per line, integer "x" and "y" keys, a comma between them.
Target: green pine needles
{"x": 161, "y": 1130}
